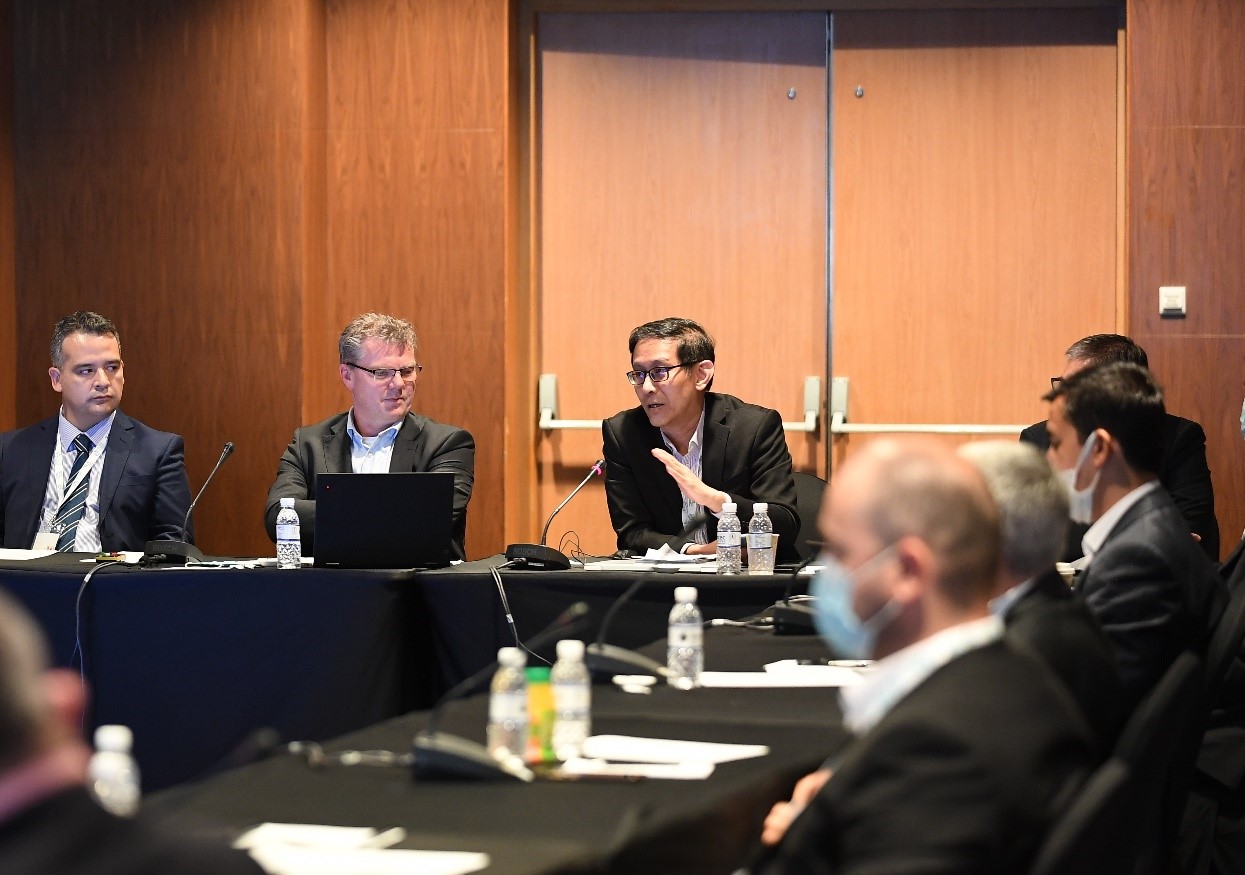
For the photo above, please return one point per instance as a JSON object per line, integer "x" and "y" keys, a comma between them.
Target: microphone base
{"x": 440, "y": 756}
{"x": 170, "y": 553}
{"x": 793, "y": 618}
{"x": 609, "y": 660}
{"x": 537, "y": 557}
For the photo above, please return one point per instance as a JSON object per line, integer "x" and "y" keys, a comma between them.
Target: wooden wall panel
{"x": 8, "y": 302}
{"x": 415, "y": 204}
{"x": 161, "y": 163}
{"x": 1186, "y": 149}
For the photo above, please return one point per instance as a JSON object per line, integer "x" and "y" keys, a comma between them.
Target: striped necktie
{"x": 74, "y": 505}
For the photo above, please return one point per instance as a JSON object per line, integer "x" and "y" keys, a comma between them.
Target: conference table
{"x": 207, "y": 664}
{"x": 548, "y": 826}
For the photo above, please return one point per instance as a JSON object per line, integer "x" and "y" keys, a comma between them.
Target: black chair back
{"x": 1094, "y": 835}
{"x": 809, "y": 490}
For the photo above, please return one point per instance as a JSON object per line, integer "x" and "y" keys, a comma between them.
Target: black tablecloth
{"x": 646, "y": 827}
{"x": 195, "y": 661}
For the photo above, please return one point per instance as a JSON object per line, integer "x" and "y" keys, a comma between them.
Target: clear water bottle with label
{"x": 729, "y": 534}
{"x": 685, "y": 650}
{"x": 760, "y": 540}
{"x": 572, "y": 700}
{"x": 507, "y": 706}
{"x": 112, "y": 774}
{"x": 289, "y": 538}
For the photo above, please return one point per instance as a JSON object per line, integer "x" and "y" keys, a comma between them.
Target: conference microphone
{"x": 540, "y": 556}
{"x": 609, "y": 659}
{"x": 441, "y": 755}
{"x": 791, "y": 618}
{"x": 181, "y": 551}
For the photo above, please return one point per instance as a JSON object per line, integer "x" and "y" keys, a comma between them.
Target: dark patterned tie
{"x": 74, "y": 505}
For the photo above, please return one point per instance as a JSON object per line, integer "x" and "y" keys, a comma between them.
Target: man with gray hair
{"x": 1038, "y": 607}
{"x": 379, "y": 433}
{"x": 90, "y": 478}
{"x": 49, "y": 825}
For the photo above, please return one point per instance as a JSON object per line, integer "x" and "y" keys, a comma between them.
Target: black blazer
{"x": 744, "y": 454}
{"x": 143, "y": 492}
{"x": 68, "y": 834}
{"x": 324, "y": 448}
{"x": 1060, "y": 629}
{"x": 1154, "y": 593}
{"x": 964, "y": 775}
{"x": 1183, "y": 473}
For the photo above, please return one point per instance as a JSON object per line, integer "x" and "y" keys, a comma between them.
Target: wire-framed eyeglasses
{"x": 384, "y": 375}
{"x": 659, "y": 374}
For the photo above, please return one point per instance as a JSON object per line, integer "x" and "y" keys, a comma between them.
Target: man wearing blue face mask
{"x": 1154, "y": 592}
{"x": 965, "y": 749}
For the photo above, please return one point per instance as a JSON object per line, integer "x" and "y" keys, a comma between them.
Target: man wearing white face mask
{"x": 1154, "y": 592}
{"x": 965, "y": 749}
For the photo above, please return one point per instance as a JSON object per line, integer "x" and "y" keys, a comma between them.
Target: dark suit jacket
{"x": 324, "y": 448}
{"x": 1154, "y": 593}
{"x": 1060, "y": 629}
{"x": 964, "y": 775}
{"x": 68, "y": 834}
{"x": 143, "y": 493}
{"x": 744, "y": 454}
{"x": 1184, "y": 474}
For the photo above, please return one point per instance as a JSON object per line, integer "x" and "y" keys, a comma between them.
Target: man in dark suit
{"x": 1155, "y": 594}
{"x": 90, "y": 478}
{"x": 965, "y": 747}
{"x": 1038, "y": 607}
{"x": 379, "y": 433}
{"x": 1182, "y": 470}
{"x": 686, "y": 450}
{"x": 49, "y": 824}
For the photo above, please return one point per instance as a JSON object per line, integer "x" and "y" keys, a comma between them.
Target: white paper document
{"x": 798, "y": 676}
{"x": 694, "y": 771}
{"x": 633, "y": 749}
{"x": 11, "y": 555}
{"x": 312, "y": 849}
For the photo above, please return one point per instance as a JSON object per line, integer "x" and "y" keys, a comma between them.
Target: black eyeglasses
{"x": 384, "y": 375}
{"x": 659, "y": 374}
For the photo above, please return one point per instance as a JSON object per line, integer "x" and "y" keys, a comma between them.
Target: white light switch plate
{"x": 1172, "y": 302}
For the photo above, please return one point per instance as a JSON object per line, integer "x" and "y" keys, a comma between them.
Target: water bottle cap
{"x": 760, "y": 507}
{"x": 729, "y": 507}
{"x": 114, "y": 738}
{"x": 571, "y": 649}
{"x": 537, "y": 674}
{"x": 511, "y": 657}
{"x": 684, "y": 594}
{"x": 287, "y": 502}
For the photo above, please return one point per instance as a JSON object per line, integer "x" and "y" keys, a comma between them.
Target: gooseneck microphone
{"x": 794, "y": 618}
{"x": 180, "y": 551}
{"x": 441, "y": 755}
{"x": 609, "y": 659}
{"x": 540, "y": 556}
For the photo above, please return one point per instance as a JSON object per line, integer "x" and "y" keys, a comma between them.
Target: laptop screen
{"x": 392, "y": 520}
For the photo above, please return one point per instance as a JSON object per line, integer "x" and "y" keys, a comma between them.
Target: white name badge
{"x": 45, "y": 541}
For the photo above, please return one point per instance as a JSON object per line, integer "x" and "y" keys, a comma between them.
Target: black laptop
{"x": 395, "y": 520}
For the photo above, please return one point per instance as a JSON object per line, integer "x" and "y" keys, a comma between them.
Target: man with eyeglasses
{"x": 378, "y": 434}
{"x": 1183, "y": 472}
{"x": 685, "y": 451}
{"x": 90, "y": 478}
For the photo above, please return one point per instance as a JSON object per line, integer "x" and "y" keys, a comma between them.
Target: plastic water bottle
{"x": 685, "y": 647}
{"x": 572, "y": 700}
{"x": 760, "y": 540}
{"x": 113, "y": 775}
{"x": 289, "y": 539}
{"x": 507, "y": 706}
{"x": 728, "y": 539}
